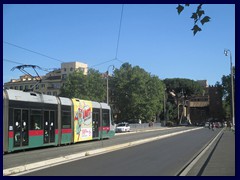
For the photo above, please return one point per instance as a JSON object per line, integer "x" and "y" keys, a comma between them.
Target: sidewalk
{"x": 220, "y": 160}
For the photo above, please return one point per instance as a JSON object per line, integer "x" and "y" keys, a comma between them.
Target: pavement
{"x": 219, "y": 159}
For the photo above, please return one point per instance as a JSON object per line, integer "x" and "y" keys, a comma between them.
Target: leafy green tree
{"x": 180, "y": 87}
{"x": 227, "y": 93}
{"x": 138, "y": 94}
{"x": 187, "y": 86}
{"x": 197, "y": 17}
{"x": 87, "y": 87}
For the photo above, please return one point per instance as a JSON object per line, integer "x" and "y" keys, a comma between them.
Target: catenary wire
{"x": 32, "y": 51}
{"x": 119, "y": 31}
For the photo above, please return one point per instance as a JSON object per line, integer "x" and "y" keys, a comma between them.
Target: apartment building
{"x": 51, "y": 82}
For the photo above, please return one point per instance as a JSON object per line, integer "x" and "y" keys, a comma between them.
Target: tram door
{"x": 96, "y": 122}
{"x": 20, "y": 129}
{"x": 49, "y": 126}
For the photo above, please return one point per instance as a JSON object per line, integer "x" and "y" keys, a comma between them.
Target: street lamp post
{"x": 107, "y": 78}
{"x": 233, "y": 108}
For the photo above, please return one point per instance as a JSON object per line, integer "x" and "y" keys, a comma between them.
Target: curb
{"x": 199, "y": 157}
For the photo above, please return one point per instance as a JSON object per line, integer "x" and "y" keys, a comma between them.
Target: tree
{"x": 181, "y": 88}
{"x": 188, "y": 86}
{"x": 138, "y": 94}
{"x": 87, "y": 87}
{"x": 227, "y": 93}
{"x": 196, "y": 16}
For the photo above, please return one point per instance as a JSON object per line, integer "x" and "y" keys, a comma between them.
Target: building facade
{"x": 207, "y": 107}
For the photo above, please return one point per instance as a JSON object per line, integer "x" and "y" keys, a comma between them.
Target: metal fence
{"x": 135, "y": 127}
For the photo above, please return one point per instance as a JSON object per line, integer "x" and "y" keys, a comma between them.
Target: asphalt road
{"x": 165, "y": 157}
{"x": 40, "y": 154}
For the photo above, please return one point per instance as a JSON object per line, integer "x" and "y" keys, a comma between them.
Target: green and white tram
{"x": 32, "y": 120}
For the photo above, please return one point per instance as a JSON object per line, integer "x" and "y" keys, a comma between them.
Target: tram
{"x": 32, "y": 120}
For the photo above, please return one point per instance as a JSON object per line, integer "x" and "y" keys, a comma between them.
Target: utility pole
{"x": 232, "y": 83}
{"x": 107, "y": 78}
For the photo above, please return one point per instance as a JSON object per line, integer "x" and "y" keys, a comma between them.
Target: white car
{"x": 123, "y": 127}
{"x": 207, "y": 124}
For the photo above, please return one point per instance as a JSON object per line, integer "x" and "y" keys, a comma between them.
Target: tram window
{"x": 106, "y": 120}
{"x": 96, "y": 113}
{"x": 10, "y": 119}
{"x": 17, "y": 115}
{"x": 52, "y": 118}
{"x": 25, "y": 127}
{"x": 66, "y": 119}
{"x": 36, "y": 119}
{"x": 17, "y": 127}
{"x": 96, "y": 116}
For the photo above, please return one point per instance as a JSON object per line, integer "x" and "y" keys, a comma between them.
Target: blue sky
{"x": 153, "y": 37}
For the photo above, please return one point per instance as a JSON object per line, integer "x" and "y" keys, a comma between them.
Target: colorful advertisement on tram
{"x": 82, "y": 120}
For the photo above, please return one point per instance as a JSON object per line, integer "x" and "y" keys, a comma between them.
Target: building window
{"x": 11, "y": 87}
{"x": 21, "y": 87}
{"x": 16, "y": 87}
{"x": 56, "y": 85}
{"x": 26, "y": 87}
{"x": 49, "y": 93}
{"x": 81, "y": 69}
{"x": 71, "y": 69}
{"x": 65, "y": 69}
{"x": 55, "y": 93}
{"x": 42, "y": 85}
{"x": 64, "y": 76}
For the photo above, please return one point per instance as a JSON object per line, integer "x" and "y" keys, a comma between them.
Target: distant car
{"x": 207, "y": 124}
{"x": 123, "y": 127}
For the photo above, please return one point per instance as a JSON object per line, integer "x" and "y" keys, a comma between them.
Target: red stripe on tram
{"x": 10, "y": 134}
{"x": 66, "y": 131}
{"x": 36, "y": 133}
{"x": 104, "y": 128}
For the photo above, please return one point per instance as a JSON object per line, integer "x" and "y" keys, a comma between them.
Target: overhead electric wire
{"x": 12, "y": 61}
{"x": 32, "y": 51}
{"x": 119, "y": 31}
{"x": 102, "y": 63}
{"x": 44, "y": 69}
{"x": 115, "y": 59}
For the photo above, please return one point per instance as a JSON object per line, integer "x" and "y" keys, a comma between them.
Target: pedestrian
{"x": 36, "y": 126}
{"x": 212, "y": 126}
{"x": 150, "y": 124}
{"x": 228, "y": 125}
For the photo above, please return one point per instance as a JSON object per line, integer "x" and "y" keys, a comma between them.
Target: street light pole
{"x": 233, "y": 107}
{"x": 107, "y": 79}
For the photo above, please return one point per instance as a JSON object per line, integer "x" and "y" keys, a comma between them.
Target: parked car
{"x": 123, "y": 127}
